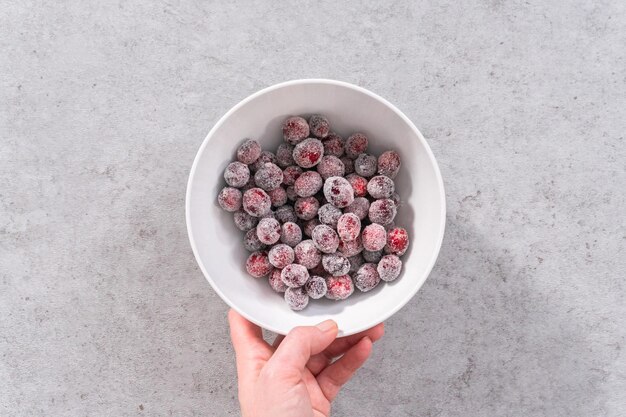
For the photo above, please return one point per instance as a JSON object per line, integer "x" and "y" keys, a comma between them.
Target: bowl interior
{"x": 218, "y": 245}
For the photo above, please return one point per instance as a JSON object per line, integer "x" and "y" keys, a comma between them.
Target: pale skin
{"x": 298, "y": 375}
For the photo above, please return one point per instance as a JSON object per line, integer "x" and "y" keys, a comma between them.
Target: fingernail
{"x": 327, "y": 326}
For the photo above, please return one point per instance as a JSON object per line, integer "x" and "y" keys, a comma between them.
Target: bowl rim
{"x": 207, "y": 139}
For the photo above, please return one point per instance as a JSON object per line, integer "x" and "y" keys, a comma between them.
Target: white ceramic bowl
{"x": 217, "y": 244}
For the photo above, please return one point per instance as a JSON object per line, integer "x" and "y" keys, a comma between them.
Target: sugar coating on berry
{"x": 360, "y": 206}
{"x": 348, "y": 227}
{"x": 291, "y": 234}
{"x": 330, "y": 166}
{"x": 276, "y": 282}
{"x": 348, "y": 165}
{"x": 333, "y": 145}
{"x": 244, "y": 221}
{"x": 319, "y": 126}
{"x": 351, "y": 248}
{"x": 285, "y": 214}
{"x": 365, "y": 165}
{"x": 339, "y": 288}
{"x": 315, "y": 287}
{"x": 230, "y": 199}
{"x": 291, "y": 174}
{"x": 295, "y": 130}
{"x": 306, "y": 207}
{"x": 366, "y": 278}
{"x": 307, "y": 254}
{"x": 294, "y": 275}
{"x": 249, "y": 184}
{"x": 268, "y": 231}
{"x": 356, "y": 144}
{"x": 335, "y": 264}
{"x": 382, "y": 211}
{"x": 358, "y": 183}
{"x": 308, "y": 184}
{"x": 278, "y": 197}
{"x": 329, "y": 215}
{"x": 251, "y": 241}
{"x": 308, "y": 153}
{"x": 374, "y": 237}
{"x": 338, "y": 192}
{"x": 269, "y": 177}
{"x": 309, "y": 225}
{"x": 266, "y": 157}
{"x": 381, "y": 186}
{"x": 258, "y": 265}
{"x": 249, "y": 151}
{"x": 291, "y": 193}
{"x": 372, "y": 256}
{"x": 296, "y": 298}
{"x": 269, "y": 215}
{"x": 355, "y": 262}
{"x": 389, "y": 268}
{"x": 397, "y": 241}
{"x": 284, "y": 155}
{"x": 281, "y": 255}
{"x": 318, "y": 270}
{"x": 237, "y": 174}
{"x": 256, "y": 202}
{"x": 389, "y": 164}
{"x": 325, "y": 238}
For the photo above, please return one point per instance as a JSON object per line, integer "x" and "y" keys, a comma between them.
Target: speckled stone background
{"x": 104, "y": 104}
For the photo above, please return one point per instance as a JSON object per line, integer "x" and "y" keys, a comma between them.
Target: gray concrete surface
{"x": 104, "y": 104}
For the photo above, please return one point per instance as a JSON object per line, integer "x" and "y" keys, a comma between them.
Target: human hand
{"x": 296, "y": 376}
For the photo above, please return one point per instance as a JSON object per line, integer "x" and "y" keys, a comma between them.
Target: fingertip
{"x": 377, "y": 332}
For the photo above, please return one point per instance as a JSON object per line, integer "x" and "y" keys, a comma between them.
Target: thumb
{"x": 301, "y": 343}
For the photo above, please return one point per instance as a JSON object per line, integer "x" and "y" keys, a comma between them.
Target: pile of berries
{"x": 318, "y": 215}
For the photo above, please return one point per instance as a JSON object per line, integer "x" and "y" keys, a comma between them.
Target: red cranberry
{"x": 348, "y": 227}
{"x": 329, "y": 214}
{"x": 284, "y": 155}
{"x": 308, "y": 184}
{"x": 308, "y": 153}
{"x": 266, "y": 157}
{"x": 276, "y": 282}
{"x": 278, "y": 197}
{"x": 249, "y": 151}
{"x": 365, "y": 165}
{"x": 306, "y": 207}
{"x": 389, "y": 164}
{"x": 291, "y": 234}
{"x": 256, "y": 202}
{"x": 389, "y": 267}
{"x": 285, "y": 214}
{"x": 291, "y": 174}
{"x": 280, "y": 255}
{"x": 296, "y": 298}
{"x": 269, "y": 177}
{"x": 325, "y": 238}
{"x": 295, "y": 130}
{"x": 339, "y": 288}
{"x": 319, "y": 126}
{"x": 382, "y": 211}
{"x": 294, "y": 275}
{"x": 366, "y": 278}
{"x": 360, "y": 206}
{"x": 335, "y": 264}
{"x": 351, "y": 248}
{"x": 330, "y": 166}
{"x": 348, "y": 165}
{"x": 358, "y": 183}
{"x": 307, "y": 254}
{"x": 258, "y": 265}
{"x": 268, "y": 231}
{"x": 315, "y": 287}
{"x": 229, "y": 199}
{"x": 338, "y": 192}
{"x": 374, "y": 237}
{"x": 381, "y": 186}
{"x": 251, "y": 241}
{"x": 244, "y": 221}
{"x": 237, "y": 174}
{"x": 333, "y": 145}
{"x": 397, "y": 241}
{"x": 356, "y": 144}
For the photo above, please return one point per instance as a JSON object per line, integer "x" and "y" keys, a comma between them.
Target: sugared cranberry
{"x": 366, "y": 278}
{"x": 244, "y": 221}
{"x": 284, "y": 155}
{"x": 338, "y": 192}
{"x": 237, "y": 174}
{"x": 355, "y": 262}
{"x": 358, "y": 183}
{"x": 291, "y": 234}
{"x": 325, "y": 238}
{"x": 256, "y": 202}
{"x": 229, "y": 199}
{"x": 296, "y": 298}
{"x": 249, "y": 151}
{"x": 258, "y": 265}
{"x": 309, "y": 225}
{"x": 269, "y": 177}
{"x": 281, "y": 255}
{"x": 365, "y": 165}
{"x": 295, "y": 130}
{"x": 374, "y": 237}
{"x": 348, "y": 165}
{"x": 306, "y": 208}
{"x": 329, "y": 214}
{"x": 308, "y": 153}
{"x": 249, "y": 184}
{"x": 268, "y": 231}
{"x": 307, "y": 254}
{"x": 333, "y": 145}
{"x": 294, "y": 275}
{"x": 266, "y": 157}
{"x": 308, "y": 184}
{"x": 330, "y": 166}
{"x": 389, "y": 267}
{"x": 285, "y": 214}
{"x": 276, "y": 282}
{"x": 360, "y": 206}
{"x": 382, "y": 211}
{"x": 351, "y": 248}
{"x": 251, "y": 241}
{"x": 348, "y": 227}
{"x": 381, "y": 186}
{"x": 315, "y": 287}
{"x": 397, "y": 241}
{"x": 339, "y": 288}
{"x": 335, "y": 264}
{"x": 278, "y": 197}
{"x": 291, "y": 174}
{"x": 356, "y": 144}
{"x": 389, "y": 164}
{"x": 319, "y": 126}
{"x": 291, "y": 193}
